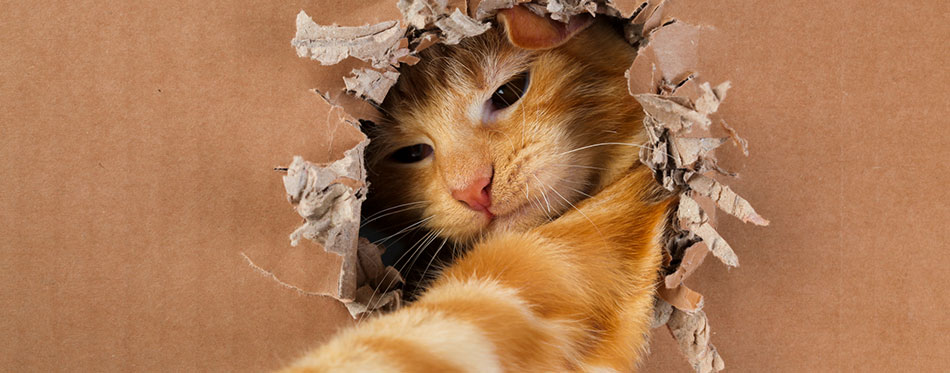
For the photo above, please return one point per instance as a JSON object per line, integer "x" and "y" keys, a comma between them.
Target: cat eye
{"x": 510, "y": 92}
{"x": 412, "y": 154}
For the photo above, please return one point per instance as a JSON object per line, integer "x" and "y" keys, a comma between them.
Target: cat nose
{"x": 477, "y": 195}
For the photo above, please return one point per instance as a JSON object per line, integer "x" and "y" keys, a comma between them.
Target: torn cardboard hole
{"x": 662, "y": 79}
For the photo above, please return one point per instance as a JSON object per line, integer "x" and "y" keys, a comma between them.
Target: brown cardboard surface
{"x": 137, "y": 144}
{"x": 844, "y": 105}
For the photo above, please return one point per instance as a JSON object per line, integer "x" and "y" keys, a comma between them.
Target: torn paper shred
{"x": 384, "y": 45}
{"x": 329, "y": 198}
{"x": 666, "y": 59}
{"x": 725, "y": 198}
{"x": 681, "y": 297}
{"x": 331, "y": 44}
{"x": 679, "y": 114}
{"x": 693, "y": 219}
{"x": 692, "y": 258}
{"x": 661, "y": 313}
{"x": 487, "y": 8}
{"x": 562, "y": 10}
{"x": 427, "y": 39}
{"x": 370, "y": 84}
{"x": 687, "y": 151}
{"x": 421, "y": 13}
{"x": 458, "y": 26}
{"x": 691, "y": 331}
{"x": 740, "y": 142}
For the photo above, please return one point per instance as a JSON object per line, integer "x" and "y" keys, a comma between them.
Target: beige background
{"x": 137, "y": 141}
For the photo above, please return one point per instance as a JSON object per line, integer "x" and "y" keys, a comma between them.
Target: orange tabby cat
{"x": 487, "y": 142}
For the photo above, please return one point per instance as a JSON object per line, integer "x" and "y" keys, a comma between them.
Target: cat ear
{"x": 531, "y": 31}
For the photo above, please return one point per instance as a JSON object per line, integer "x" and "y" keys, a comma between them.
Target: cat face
{"x": 484, "y": 136}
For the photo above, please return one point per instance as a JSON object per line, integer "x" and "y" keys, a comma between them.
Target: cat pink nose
{"x": 476, "y": 195}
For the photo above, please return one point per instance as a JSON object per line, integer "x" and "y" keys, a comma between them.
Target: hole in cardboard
{"x": 666, "y": 51}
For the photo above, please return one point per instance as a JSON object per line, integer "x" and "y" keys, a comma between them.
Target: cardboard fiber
{"x": 138, "y": 143}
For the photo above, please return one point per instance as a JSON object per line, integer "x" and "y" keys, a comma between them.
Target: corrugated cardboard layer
{"x": 137, "y": 144}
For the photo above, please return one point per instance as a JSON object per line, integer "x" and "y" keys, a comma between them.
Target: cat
{"x": 521, "y": 143}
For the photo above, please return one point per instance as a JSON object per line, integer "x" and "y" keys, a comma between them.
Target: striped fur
{"x": 571, "y": 295}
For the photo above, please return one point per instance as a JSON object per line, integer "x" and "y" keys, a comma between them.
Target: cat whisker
{"x": 418, "y": 248}
{"x": 412, "y": 251}
{"x": 542, "y": 192}
{"x": 580, "y": 166}
{"x": 388, "y": 214}
{"x": 581, "y": 183}
{"x": 569, "y": 181}
{"x": 539, "y": 205}
{"x": 381, "y": 109}
{"x": 379, "y": 286}
{"x": 530, "y": 200}
{"x": 404, "y": 230}
{"x": 602, "y": 144}
{"x": 524, "y": 125}
{"x": 422, "y": 249}
{"x": 435, "y": 255}
{"x": 394, "y": 207}
{"x": 579, "y": 191}
{"x": 580, "y": 212}
{"x": 527, "y": 197}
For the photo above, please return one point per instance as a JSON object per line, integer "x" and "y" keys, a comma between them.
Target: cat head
{"x": 486, "y": 136}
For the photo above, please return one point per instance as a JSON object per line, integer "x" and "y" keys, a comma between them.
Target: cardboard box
{"x": 138, "y": 144}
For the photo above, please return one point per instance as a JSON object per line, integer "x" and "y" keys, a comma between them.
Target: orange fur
{"x": 577, "y": 97}
{"x": 571, "y": 295}
{"x": 562, "y": 288}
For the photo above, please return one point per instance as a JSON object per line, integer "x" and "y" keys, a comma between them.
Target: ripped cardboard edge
{"x": 384, "y": 45}
{"x": 662, "y": 79}
{"x": 377, "y": 44}
{"x": 680, "y": 150}
{"x": 692, "y": 333}
{"x": 329, "y": 198}
{"x": 681, "y": 163}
